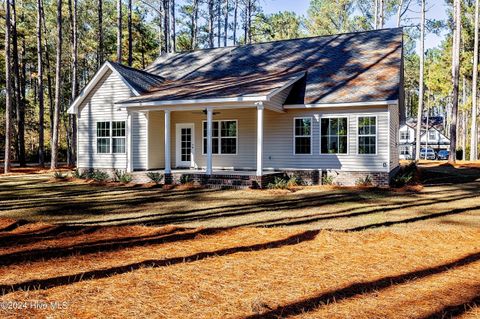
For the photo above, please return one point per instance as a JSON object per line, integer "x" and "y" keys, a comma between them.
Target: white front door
{"x": 185, "y": 144}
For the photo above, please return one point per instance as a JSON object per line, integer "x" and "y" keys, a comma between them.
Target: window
{"x": 404, "y": 150}
{"x": 224, "y": 137}
{"x": 118, "y": 137}
{"x": 367, "y": 135}
{"x": 431, "y": 135}
{"x": 111, "y": 134}
{"x": 303, "y": 135}
{"x": 334, "y": 135}
{"x": 103, "y": 137}
{"x": 405, "y": 135}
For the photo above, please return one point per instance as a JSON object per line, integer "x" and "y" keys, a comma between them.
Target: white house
{"x": 434, "y": 139}
{"x": 240, "y": 115}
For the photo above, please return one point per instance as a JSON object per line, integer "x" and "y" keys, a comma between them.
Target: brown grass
{"x": 249, "y": 272}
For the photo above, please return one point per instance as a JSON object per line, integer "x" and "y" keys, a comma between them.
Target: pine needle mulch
{"x": 172, "y": 272}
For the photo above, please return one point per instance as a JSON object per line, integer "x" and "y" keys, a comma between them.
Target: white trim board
{"x": 348, "y": 104}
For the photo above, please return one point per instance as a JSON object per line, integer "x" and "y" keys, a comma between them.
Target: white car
{"x": 427, "y": 154}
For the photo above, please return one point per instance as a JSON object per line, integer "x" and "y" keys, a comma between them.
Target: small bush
{"x": 155, "y": 177}
{"x": 293, "y": 181}
{"x": 59, "y": 175}
{"x": 407, "y": 175}
{"x": 278, "y": 183}
{"x": 122, "y": 176}
{"x": 99, "y": 176}
{"x": 327, "y": 180}
{"x": 364, "y": 181}
{"x": 185, "y": 179}
{"x": 76, "y": 174}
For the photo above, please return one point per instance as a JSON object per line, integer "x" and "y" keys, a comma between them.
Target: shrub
{"x": 364, "y": 181}
{"x": 122, "y": 176}
{"x": 76, "y": 174}
{"x": 185, "y": 179}
{"x": 405, "y": 176}
{"x": 293, "y": 181}
{"x": 99, "y": 176}
{"x": 278, "y": 183}
{"x": 155, "y": 177}
{"x": 327, "y": 180}
{"x": 59, "y": 175}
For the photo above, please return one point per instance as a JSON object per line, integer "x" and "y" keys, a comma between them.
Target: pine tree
{"x": 41, "y": 104}
{"x": 8, "y": 90}
{"x": 58, "y": 86}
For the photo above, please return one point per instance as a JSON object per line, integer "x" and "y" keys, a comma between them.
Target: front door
{"x": 185, "y": 145}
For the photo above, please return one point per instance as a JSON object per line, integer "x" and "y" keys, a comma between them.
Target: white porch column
{"x": 209, "y": 140}
{"x": 129, "y": 143}
{"x": 168, "y": 166}
{"x": 260, "y": 139}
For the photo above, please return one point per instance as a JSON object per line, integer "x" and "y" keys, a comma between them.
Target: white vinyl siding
{"x": 99, "y": 107}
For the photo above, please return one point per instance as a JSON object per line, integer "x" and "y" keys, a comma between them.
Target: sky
{"x": 436, "y": 9}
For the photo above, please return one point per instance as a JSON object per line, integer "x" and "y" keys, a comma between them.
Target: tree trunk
{"x": 210, "y": 23}
{"x": 249, "y": 21}
{"x": 166, "y": 24}
{"x": 225, "y": 27}
{"x": 119, "y": 31}
{"x": 41, "y": 104}
{"x": 8, "y": 91}
{"x": 381, "y": 12}
{"x": 235, "y": 17}
{"x": 130, "y": 36}
{"x": 100, "y": 54}
{"x": 219, "y": 23}
{"x": 72, "y": 129}
{"x": 375, "y": 15}
{"x": 49, "y": 74}
{"x": 173, "y": 43}
{"x": 58, "y": 84}
{"x": 474, "y": 136}
{"x": 19, "y": 103}
{"x": 421, "y": 85}
{"x": 194, "y": 30}
{"x": 455, "y": 79}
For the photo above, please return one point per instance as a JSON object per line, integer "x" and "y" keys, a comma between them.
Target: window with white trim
{"x": 405, "y": 135}
{"x": 432, "y": 135}
{"x": 224, "y": 137}
{"x": 111, "y": 137}
{"x": 303, "y": 135}
{"x": 334, "y": 135}
{"x": 404, "y": 150}
{"x": 367, "y": 135}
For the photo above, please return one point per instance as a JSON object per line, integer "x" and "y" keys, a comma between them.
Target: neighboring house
{"x": 407, "y": 139}
{"x": 434, "y": 139}
{"x": 314, "y": 107}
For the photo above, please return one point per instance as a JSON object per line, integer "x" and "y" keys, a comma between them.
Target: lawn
{"x": 323, "y": 252}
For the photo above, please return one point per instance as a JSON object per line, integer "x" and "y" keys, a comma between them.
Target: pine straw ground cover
{"x": 172, "y": 272}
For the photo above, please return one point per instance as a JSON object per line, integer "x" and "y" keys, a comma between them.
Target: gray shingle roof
{"x": 141, "y": 81}
{"x": 351, "y": 67}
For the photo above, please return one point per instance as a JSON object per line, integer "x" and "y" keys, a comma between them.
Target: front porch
{"x": 216, "y": 179}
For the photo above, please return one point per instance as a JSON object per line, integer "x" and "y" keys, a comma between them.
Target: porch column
{"x": 260, "y": 139}
{"x": 129, "y": 143}
{"x": 168, "y": 166}
{"x": 209, "y": 140}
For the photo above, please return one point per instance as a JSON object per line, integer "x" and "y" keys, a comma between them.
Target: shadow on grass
{"x": 309, "y": 304}
{"x": 103, "y": 273}
{"x": 102, "y": 246}
{"x": 455, "y": 311}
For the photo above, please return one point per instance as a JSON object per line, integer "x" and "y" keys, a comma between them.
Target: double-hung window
{"x": 224, "y": 137}
{"x": 303, "y": 135}
{"x": 334, "y": 135}
{"x": 404, "y": 135}
{"x": 111, "y": 137}
{"x": 367, "y": 135}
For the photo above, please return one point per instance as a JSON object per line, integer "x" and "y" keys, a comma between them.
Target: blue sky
{"x": 436, "y": 10}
